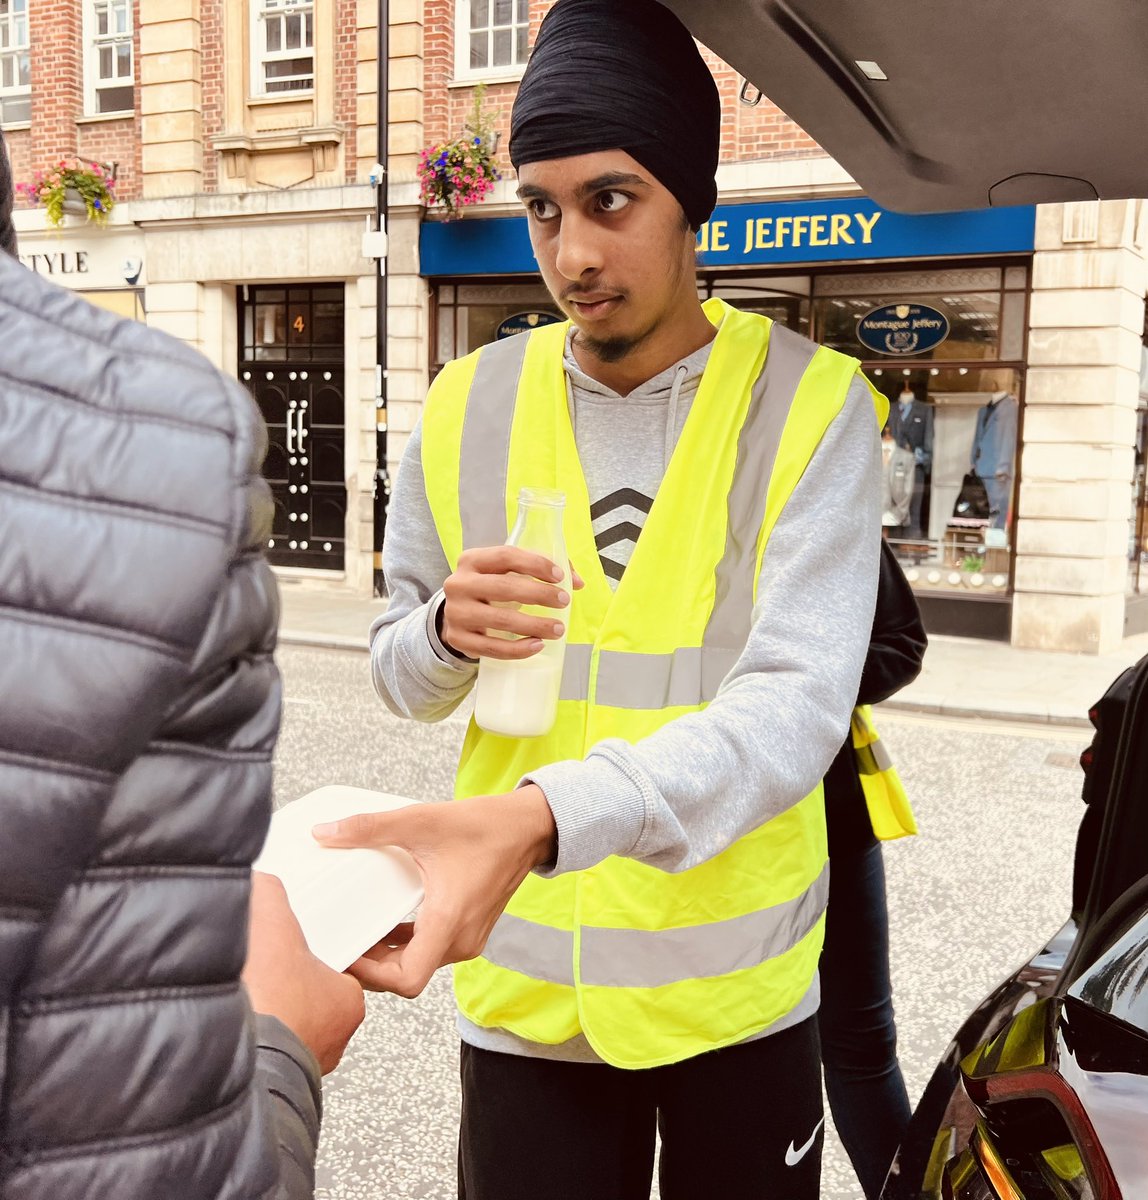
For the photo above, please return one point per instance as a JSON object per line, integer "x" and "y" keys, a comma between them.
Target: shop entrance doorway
{"x": 291, "y": 357}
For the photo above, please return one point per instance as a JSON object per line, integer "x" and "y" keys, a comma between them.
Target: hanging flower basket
{"x": 462, "y": 172}
{"x": 83, "y": 191}
{"x": 74, "y": 202}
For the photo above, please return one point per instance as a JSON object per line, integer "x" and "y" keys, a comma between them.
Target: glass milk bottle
{"x": 519, "y": 697}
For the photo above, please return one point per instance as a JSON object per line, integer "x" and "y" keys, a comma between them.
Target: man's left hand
{"x": 473, "y": 854}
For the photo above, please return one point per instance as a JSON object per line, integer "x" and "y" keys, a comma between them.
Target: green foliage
{"x": 50, "y": 189}
{"x": 461, "y": 172}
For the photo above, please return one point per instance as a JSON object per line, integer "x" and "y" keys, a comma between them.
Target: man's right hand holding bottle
{"x": 485, "y": 593}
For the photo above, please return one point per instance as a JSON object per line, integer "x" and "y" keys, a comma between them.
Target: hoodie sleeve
{"x": 414, "y": 674}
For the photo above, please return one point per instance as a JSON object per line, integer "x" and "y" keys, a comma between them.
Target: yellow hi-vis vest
{"x": 651, "y": 967}
{"x": 890, "y": 813}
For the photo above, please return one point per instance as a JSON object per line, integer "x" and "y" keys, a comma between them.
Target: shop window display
{"x": 783, "y": 298}
{"x": 950, "y": 448}
{"x": 933, "y": 343}
{"x": 467, "y": 316}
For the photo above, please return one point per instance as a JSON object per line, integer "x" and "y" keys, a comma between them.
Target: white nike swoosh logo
{"x": 792, "y": 1156}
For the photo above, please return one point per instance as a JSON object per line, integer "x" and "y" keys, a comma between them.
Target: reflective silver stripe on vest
{"x": 691, "y": 675}
{"x": 774, "y": 390}
{"x": 485, "y": 449}
{"x": 643, "y": 959}
{"x": 576, "y": 672}
{"x": 640, "y": 958}
{"x": 873, "y": 758}
{"x": 540, "y": 951}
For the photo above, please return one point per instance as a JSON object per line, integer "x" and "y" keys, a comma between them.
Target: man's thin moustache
{"x": 574, "y": 292}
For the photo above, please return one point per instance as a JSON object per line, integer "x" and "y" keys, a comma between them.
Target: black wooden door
{"x": 292, "y": 360}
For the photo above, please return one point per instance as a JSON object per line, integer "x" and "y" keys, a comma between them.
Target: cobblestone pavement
{"x": 972, "y": 897}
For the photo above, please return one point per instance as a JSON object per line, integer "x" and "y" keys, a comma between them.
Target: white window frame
{"x": 9, "y": 22}
{"x": 93, "y": 43}
{"x": 263, "y": 11}
{"x": 463, "y": 71}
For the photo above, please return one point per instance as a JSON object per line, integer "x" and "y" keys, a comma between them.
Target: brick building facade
{"x": 243, "y": 170}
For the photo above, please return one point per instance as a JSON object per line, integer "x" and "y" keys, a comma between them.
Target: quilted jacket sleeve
{"x": 139, "y": 707}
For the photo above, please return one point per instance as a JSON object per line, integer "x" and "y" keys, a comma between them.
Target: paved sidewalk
{"x": 962, "y": 676}
{"x": 969, "y": 678}
{"x": 314, "y": 616}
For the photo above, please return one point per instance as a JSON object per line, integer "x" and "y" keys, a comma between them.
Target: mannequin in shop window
{"x": 994, "y": 450}
{"x": 911, "y": 426}
{"x": 899, "y": 473}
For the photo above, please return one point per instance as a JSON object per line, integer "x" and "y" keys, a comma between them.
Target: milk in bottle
{"x": 519, "y": 698}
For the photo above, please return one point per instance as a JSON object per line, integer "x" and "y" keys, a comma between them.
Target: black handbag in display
{"x": 972, "y": 500}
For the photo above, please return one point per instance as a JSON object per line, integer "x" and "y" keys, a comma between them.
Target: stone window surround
{"x": 260, "y": 12}
{"x": 322, "y": 141}
{"x": 17, "y": 13}
{"x": 241, "y": 142}
{"x": 93, "y": 42}
{"x": 464, "y": 74}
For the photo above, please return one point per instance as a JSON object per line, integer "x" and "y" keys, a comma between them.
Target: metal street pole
{"x": 382, "y": 488}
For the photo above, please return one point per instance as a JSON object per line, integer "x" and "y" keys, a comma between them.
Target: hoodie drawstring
{"x": 672, "y": 413}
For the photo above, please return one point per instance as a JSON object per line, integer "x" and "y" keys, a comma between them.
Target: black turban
{"x": 622, "y": 75}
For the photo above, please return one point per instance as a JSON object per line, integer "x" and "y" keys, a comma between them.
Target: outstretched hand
{"x": 472, "y": 853}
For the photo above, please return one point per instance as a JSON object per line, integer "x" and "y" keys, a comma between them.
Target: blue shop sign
{"x": 523, "y": 322}
{"x": 903, "y": 329}
{"x": 767, "y": 234}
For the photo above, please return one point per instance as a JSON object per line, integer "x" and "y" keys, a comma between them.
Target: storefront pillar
{"x": 1086, "y": 321}
{"x": 177, "y": 307}
{"x": 171, "y": 98}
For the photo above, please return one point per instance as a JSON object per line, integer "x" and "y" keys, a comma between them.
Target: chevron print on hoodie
{"x": 625, "y": 443}
{"x": 618, "y": 519}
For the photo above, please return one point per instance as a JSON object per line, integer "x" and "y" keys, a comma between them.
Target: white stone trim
{"x": 211, "y": 208}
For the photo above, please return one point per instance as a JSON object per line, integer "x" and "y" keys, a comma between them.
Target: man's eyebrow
{"x": 610, "y": 179}
{"x": 600, "y": 183}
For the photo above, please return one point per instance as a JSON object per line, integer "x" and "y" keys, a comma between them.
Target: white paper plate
{"x": 345, "y": 900}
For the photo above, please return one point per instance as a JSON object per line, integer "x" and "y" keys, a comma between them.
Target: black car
{"x": 1043, "y": 1093}
{"x": 931, "y": 106}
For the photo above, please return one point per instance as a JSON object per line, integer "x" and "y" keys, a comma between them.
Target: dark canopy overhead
{"x": 984, "y": 101}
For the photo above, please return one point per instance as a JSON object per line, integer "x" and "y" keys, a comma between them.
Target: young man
{"x": 661, "y": 853}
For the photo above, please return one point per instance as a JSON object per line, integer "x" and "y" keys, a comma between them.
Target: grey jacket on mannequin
{"x": 139, "y": 707}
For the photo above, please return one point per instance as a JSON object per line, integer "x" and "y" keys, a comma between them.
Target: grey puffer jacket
{"x": 139, "y": 706}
